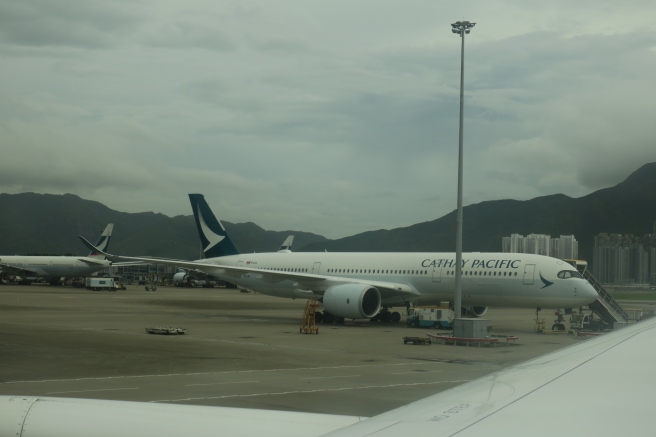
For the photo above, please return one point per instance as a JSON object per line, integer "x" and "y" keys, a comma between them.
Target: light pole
{"x": 461, "y": 28}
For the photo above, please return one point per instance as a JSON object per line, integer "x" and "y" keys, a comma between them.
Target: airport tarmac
{"x": 241, "y": 350}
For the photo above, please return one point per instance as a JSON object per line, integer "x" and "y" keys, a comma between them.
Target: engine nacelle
{"x": 352, "y": 301}
{"x": 180, "y": 278}
{"x": 477, "y": 311}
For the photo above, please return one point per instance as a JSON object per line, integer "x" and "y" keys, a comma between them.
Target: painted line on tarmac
{"x": 224, "y": 383}
{"x": 414, "y": 372}
{"x": 332, "y": 377}
{"x": 367, "y": 387}
{"x": 218, "y": 373}
{"x": 84, "y": 391}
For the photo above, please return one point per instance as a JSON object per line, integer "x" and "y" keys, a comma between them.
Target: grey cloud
{"x": 186, "y": 35}
{"x": 74, "y": 23}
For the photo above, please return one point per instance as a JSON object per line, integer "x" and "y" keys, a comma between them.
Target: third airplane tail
{"x": 213, "y": 235}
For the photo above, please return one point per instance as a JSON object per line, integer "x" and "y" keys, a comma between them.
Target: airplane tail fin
{"x": 103, "y": 242}
{"x": 216, "y": 241}
{"x": 287, "y": 244}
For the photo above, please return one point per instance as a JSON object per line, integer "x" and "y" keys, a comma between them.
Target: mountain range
{"x": 49, "y": 224}
{"x": 627, "y": 208}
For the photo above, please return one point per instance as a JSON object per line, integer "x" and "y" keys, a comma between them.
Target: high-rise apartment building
{"x": 624, "y": 259}
{"x": 564, "y": 247}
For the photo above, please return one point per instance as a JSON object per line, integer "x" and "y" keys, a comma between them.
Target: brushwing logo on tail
{"x": 213, "y": 238}
{"x": 102, "y": 243}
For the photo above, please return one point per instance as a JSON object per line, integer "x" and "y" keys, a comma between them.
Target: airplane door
{"x": 437, "y": 274}
{"x": 315, "y": 268}
{"x": 240, "y": 263}
{"x": 529, "y": 270}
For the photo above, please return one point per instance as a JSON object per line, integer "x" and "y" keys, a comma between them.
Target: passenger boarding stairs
{"x": 605, "y": 306}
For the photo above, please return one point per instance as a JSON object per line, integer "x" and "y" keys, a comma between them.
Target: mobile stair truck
{"x": 430, "y": 317}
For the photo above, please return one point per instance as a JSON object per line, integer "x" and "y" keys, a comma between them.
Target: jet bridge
{"x": 606, "y": 307}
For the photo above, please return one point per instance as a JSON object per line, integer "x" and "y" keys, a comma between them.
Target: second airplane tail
{"x": 216, "y": 241}
{"x": 103, "y": 241}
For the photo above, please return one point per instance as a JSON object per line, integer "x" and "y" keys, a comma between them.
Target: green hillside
{"x": 629, "y": 207}
{"x": 49, "y": 224}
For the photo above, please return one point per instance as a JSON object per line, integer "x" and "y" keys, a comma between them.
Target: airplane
{"x": 53, "y": 268}
{"x": 596, "y": 387}
{"x": 365, "y": 285}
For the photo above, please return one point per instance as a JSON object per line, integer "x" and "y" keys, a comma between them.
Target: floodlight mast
{"x": 461, "y": 28}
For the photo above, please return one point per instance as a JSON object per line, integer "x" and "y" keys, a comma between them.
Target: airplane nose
{"x": 589, "y": 292}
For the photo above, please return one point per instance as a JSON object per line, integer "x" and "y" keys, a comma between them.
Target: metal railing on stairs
{"x": 605, "y": 306}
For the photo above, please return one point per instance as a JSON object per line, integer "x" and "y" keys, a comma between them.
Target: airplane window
{"x": 565, "y": 274}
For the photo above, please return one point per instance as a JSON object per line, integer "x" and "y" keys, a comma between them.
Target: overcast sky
{"x": 322, "y": 116}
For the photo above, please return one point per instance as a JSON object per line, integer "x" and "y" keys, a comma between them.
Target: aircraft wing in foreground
{"x": 597, "y": 387}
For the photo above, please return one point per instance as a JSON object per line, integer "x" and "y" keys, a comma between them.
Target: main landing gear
{"x": 326, "y": 318}
{"x": 385, "y": 316}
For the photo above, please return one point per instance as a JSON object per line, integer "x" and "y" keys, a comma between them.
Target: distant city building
{"x": 624, "y": 258}
{"x": 564, "y": 247}
{"x": 513, "y": 244}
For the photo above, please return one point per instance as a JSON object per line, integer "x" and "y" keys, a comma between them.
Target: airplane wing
{"x": 598, "y": 387}
{"x": 47, "y": 416}
{"x": 93, "y": 263}
{"x": 316, "y": 283}
{"x": 16, "y": 270}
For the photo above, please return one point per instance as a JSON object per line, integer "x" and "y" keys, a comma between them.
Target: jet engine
{"x": 476, "y": 311}
{"x": 179, "y": 279}
{"x": 352, "y": 301}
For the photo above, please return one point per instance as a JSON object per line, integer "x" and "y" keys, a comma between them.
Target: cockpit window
{"x": 565, "y": 274}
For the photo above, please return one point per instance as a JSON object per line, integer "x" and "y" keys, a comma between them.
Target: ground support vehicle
{"x": 416, "y": 340}
{"x": 430, "y": 317}
{"x": 167, "y": 330}
{"x": 100, "y": 284}
{"x": 587, "y": 322}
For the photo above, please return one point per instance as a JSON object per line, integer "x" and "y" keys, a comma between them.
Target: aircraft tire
{"x": 328, "y": 318}
{"x": 395, "y": 317}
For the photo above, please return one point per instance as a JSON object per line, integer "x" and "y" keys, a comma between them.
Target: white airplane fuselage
{"x": 52, "y": 266}
{"x": 488, "y": 279}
